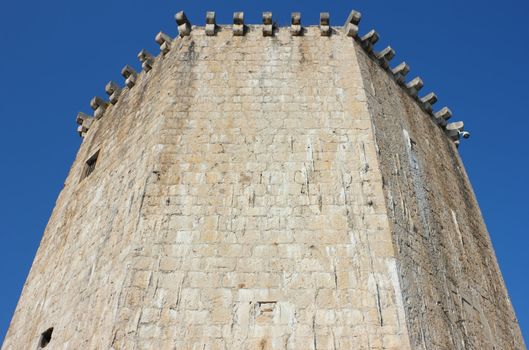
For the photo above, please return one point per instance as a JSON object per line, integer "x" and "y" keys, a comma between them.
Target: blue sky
{"x": 58, "y": 54}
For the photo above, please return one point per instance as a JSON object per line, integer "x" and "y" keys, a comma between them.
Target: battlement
{"x": 269, "y": 28}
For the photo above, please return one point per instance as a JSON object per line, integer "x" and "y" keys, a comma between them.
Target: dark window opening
{"x": 90, "y": 165}
{"x": 45, "y": 338}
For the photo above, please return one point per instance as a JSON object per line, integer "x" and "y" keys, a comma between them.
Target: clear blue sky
{"x": 56, "y": 55}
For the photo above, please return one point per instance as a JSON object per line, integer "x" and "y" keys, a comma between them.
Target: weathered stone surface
{"x": 252, "y": 193}
{"x": 113, "y": 91}
{"x": 295, "y": 27}
{"x": 184, "y": 26}
{"x": 146, "y": 59}
{"x": 239, "y": 29}
{"x": 350, "y": 27}
{"x": 211, "y": 23}
{"x": 268, "y": 24}
{"x": 452, "y": 288}
{"x": 165, "y": 42}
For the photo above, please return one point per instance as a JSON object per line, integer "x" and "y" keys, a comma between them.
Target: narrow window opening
{"x": 90, "y": 165}
{"x": 45, "y": 338}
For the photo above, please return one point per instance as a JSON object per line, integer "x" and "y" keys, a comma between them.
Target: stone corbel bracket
{"x": 146, "y": 59}
{"x": 455, "y": 131}
{"x": 295, "y": 27}
{"x": 428, "y": 101}
{"x": 268, "y": 24}
{"x": 400, "y": 72}
{"x": 325, "y": 24}
{"x": 130, "y": 76}
{"x": 184, "y": 26}
{"x": 350, "y": 27}
{"x": 85, "y": 122}
{"x": 442, "y": 116}
{"x": 165, "y": 42}
{"x": 99, "y": 106}
{"x": 385, "y": 56}
{"x": 211, "y": 23}
{"x": 369, "y": 40}
{"x": 113, "y": 91}
{"x": 414, "y": 86}
{"x": 239, "y": 29}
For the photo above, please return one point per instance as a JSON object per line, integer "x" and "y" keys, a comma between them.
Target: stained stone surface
{"x": 259, "y": 192}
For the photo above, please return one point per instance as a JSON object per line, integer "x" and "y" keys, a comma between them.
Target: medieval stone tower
{"x": 256, "y": 187}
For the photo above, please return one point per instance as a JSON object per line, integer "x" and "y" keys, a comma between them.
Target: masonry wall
{"x": 265, "y": 193}
{"x": 237, "y": 204}
{"x": 76, "y": 281}
{"x": 453, "y": 291}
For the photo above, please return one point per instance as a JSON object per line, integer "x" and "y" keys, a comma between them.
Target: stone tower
{"x": 256, "y": 187}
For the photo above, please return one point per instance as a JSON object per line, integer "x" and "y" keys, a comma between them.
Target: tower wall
{"x": 244, "y": 196}
{"x": 453, "y": 291}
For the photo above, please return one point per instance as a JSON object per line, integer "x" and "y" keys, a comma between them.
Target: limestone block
{"x": 442, "y": 116}
{"x": 400, "y": 72}
{"x": 414, "y": 86}
{"x": 146, "y": 59}
{"x": 165, "y": 42}
{"x": 113, "y": 90}
{"x": 385, "y": 56}
{"x": 350, "y": 27}
{"x": 239, "y": 29}
{"x": 184, "y": 26}
{"x": 99, "y": 106}
{"x": 84, "y": 121}
{"x": 369, "y": 40}
{"x": 456, "y": 130}
{"x": 268, "y": 24}
{"x": 295, "y": 27}
{"x": 325, "y": 27}
{"x": 211, "y": 23}
{"x": 130, "y": 76}
{"x": 428, "y": 101}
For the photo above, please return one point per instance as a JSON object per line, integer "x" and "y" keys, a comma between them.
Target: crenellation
{"x": 295, "y": 27}
{"x": 113, "y": 90}
{"x": 385, "y": 56}
{"x": 414, "y": 86}
{"x": 99, "y": 106}
{"x": 268, "y": 24}
{"x": 146, "y": 59}
{"x": 211, "y": 24}
{"x": 325, "y": 26}
{"x": 130, "y": 76}
{"x": 184, "y": 26}
{"x": 455, "y": 131}
{"x": 400, "y": 73}
{"x": 239, "y": 28}
{"x": 428, "y": 101}
{"x": 442, "y": 116}
{"x": 165, "y": 42}
{"x": 350, "y": 27}
{"x": 369, "y": 40}
{"x": 85, "y": 122}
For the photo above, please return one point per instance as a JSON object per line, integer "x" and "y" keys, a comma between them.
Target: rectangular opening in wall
{"x": 90, "y": 165}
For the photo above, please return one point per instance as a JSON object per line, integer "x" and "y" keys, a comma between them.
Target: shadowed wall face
{"x": 237, "y": 201}
{"x": 452, "y": 288}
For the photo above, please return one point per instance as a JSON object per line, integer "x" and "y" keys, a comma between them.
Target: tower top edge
{"x": 454, "y": 131}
